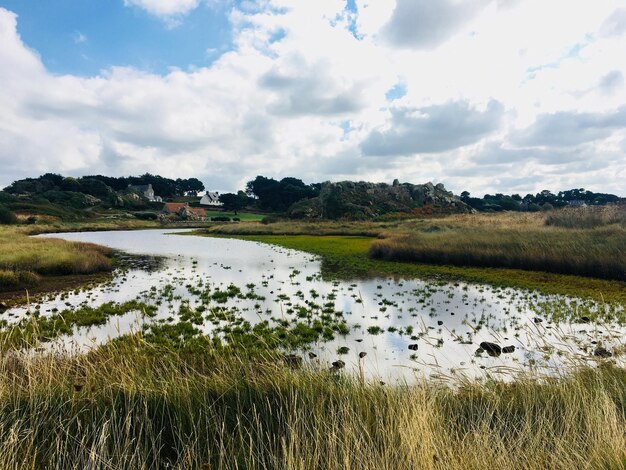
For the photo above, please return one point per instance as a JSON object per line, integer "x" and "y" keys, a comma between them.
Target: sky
{"x": 488, "y": 96}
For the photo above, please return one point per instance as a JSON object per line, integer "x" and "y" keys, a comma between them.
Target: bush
{"x": 236, "y": 219}
{"x": 220, "y": 218}
{"x": 270, "y": 219}
{"x": 146, "y": 215}
{"x": 7, "y": 217}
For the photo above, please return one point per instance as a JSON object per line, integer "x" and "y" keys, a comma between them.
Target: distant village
{"x": 182, "y": 210}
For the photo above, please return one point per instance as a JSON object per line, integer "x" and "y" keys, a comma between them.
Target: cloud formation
{"x": 427, "y": 23}
{"x": 564, "y": 129}
{"x": 433, "y": 129}
{"x": 484, "y": 106}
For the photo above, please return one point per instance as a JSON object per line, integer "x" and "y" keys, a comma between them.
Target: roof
{"x": 197, "y": 210}
{"x": 174, "y": 206}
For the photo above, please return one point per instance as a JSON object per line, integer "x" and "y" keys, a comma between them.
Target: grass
{"x": 24, "y": 260}
{"x": 248, "y": 216}
{"x": 596, "y": 253}
{"x": 497, "y": 249}
{"x": 588, "y": 217}
{"x": 347, "y": 257}
{"x": 133, "y": 405}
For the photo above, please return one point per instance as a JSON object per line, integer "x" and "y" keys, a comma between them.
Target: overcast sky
{"x": 509, "y": 96}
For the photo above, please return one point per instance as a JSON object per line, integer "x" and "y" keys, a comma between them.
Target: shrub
{"x": 270, "y": 219}
{"x": 7, "y": 217}
{"x": 146, "y": 215}
{"x": 220, "y": 218}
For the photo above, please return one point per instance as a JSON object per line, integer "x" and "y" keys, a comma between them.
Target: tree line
{"x": 103, "y": 186}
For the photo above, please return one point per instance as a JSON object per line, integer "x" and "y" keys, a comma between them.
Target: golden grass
{"x": 597, "y": 253}
{"x": 23, "y": 259}
{"x": 129, "y": 406}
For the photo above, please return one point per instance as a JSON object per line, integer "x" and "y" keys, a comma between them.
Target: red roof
{"x": 174, "y": 207}
{"x": 197, "y": 210}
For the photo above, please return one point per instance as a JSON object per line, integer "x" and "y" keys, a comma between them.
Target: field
{"x": 169, "y": 398}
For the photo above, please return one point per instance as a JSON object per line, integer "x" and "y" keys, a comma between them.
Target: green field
{"x": 248, "y": 216}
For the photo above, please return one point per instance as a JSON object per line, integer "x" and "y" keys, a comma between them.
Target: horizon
{"x": 483, "y": 96}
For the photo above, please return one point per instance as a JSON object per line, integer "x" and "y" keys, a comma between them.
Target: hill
{"x": 363, "y": 200}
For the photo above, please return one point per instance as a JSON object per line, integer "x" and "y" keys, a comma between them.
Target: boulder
{"x": 492, "y": 349}
{"x": 602, "y": 352}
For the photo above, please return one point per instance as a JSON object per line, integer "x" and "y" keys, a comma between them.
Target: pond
{"x": 394, "y": 329}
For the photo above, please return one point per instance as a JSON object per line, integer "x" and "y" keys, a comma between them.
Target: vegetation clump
{"x": 129, "y": 404}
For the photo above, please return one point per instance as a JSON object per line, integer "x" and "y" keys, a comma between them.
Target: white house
{"x": 146, "y": 191}
{"x": 211, "y": 199}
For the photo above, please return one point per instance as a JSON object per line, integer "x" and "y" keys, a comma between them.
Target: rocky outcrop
{"x": 362, "y": 200}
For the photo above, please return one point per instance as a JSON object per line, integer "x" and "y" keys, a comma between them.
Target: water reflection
{"x": 446, "y": 321}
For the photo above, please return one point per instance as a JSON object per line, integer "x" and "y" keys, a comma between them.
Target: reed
{"x": 597, "y": 253}
{"x": 129, "y": 405}
{"x": 24, "y": 259}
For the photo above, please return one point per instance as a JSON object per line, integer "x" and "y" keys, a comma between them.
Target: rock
{"x": 362, "y": 355}
{"x": 537, "y": 320}
{"x": 585, "y": 319}
{"x": 362, "y": 200}
{"x": 339, "y": 364}
{"x": 602, "y": 352}
{"x": 413, "y": 347}
{"x": 293, "y": 360}
{"x": 3, "y": 307}
{"x": 439, "y": 322}
{"x": 492, "y": 349}
{"x": 312, "y": 355}
{"x": 508, "y": 349}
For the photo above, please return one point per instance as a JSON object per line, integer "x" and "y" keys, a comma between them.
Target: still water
{"x": 406, "y": 328}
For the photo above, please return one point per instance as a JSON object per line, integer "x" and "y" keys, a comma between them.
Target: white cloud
{"x": 166, "y": 9}
{"x": 79, "y": 38}
{"x": 517, "y": 96}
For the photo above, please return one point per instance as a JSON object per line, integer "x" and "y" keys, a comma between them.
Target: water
{"x": 447, "y": 321}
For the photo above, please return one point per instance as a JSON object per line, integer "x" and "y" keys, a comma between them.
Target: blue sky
{"x": 488, "y": 96}
{"x": 83, "y": 37}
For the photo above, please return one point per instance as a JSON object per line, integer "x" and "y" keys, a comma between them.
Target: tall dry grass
{"x": 127, "y": 406}
{"x": 598, "y": 252}
{"x": 588, "y": 217}
{"x": 23, "y": 259}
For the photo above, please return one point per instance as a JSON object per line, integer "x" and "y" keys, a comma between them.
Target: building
{"x": 184, "y": 211}
{"x": 146, "y": 191}
{"x": 211, "y": 199}
{"x": 174, "y": 207}
{"x": 195, "y": 213}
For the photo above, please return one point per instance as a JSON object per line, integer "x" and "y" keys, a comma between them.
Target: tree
{"x": 234, "y": 202}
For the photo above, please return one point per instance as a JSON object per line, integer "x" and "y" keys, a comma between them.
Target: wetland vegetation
{"x": 136, "y": 405}
{"x": 239, "y": 354}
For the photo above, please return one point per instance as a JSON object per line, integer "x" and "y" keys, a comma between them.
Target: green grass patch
{"x": 347, "y": 257}
{"x": 247, "y": 216}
